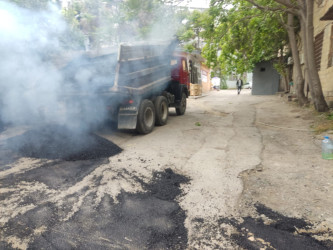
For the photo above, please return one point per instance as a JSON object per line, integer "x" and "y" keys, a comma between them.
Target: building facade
{"x": 323, "y": 31}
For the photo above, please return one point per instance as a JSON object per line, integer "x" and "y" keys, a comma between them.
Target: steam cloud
{"x": 28, "y": 81}
{"x": 32, "y": 89}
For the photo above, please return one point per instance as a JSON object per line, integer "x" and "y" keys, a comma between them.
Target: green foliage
{"x": 139, "y": 15}
{"x": 196, "y": 25}
{"x": 149, "y": 19}
{"x": 32, "y": 4}
{"x": 74, "y": 37}
{"x": 96, "y": 22}
{"x": 329, "y": 116}
{"x": 109, "y": 22}
{"x": 280, "y": 67}
{"x": 239, "y": 37}
{"x": 223, "y": 84}
{"x": 189, "y": 47}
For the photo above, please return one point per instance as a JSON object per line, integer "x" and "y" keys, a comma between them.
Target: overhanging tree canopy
{"x": 303, "y": 10}
{"x": 246, "y": 35}
{"x": 255, "y": 30}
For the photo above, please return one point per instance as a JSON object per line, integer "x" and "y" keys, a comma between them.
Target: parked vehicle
{"x": 138, "y": 84}
{"x": 248, "y": 85}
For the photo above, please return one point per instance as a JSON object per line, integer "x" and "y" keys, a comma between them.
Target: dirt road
{"x": 235, "y": 172}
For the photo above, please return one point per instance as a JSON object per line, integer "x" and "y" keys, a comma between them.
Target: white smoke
{"x": 29, "y": 82}
{"x": 32, "y": 88}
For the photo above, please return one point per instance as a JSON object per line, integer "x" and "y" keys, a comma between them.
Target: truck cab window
{"x": 184, "y": 65}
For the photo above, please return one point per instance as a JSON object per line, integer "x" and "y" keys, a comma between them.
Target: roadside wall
{"x": 231, "y": 84}
{"x": 205, "y": 79}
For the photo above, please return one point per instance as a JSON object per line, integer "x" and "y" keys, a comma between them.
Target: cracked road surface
{"x": 214, "y": 178}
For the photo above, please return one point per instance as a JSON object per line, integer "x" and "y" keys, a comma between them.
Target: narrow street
{"x": 235, "y": 172}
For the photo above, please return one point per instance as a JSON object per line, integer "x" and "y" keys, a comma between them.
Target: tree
{"x": 239, "y": 37}
{"x": 74, "y": 37}
{"x": 290, "y": 25}
{"x": 193, "y": 30}
{"x": 108, "y": 22}
{"x": 96, "y": 22}
{"x": 297, "y": 64}
{"x": 303, "y": 10}
{"x": 32, "y": 4}
{"x": 149, "y": 19}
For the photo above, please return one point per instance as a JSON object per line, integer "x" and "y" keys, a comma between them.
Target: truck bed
{"x": 142, "y": 69}
{"x": 135, "y": 69}
{"x": 88, "y": 74}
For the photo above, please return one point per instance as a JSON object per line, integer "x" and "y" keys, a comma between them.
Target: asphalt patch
{"x": 59, "y": 142}
{"x": 56, "y": 174}
{"x": 280, "y": 233}
{"x": 166, "y": 185}
{"x": 147, "y": 220}
{"x": 7, "y": 157}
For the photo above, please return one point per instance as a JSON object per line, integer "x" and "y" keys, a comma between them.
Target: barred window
{"x": 330, "y": 54}
{"x": 318, "y": 46}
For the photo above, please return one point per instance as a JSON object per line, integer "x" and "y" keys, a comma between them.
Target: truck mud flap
{"x": 127, "y": 117}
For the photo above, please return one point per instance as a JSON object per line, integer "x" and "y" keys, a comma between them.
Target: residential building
{"x": 323, "y": 31}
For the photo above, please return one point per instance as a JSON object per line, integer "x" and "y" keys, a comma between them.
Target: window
{"x": 330, "y": 54}
{"x": 318, "y": 46}
{"x": 184, "y": 65}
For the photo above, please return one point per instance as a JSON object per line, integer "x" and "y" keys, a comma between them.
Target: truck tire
{"x": 182, "y": 107}
{"x": 162, "y": 110}
{"x": 146, "y": 117}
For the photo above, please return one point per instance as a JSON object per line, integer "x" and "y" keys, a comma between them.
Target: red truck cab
{"x": 180, "y": 72}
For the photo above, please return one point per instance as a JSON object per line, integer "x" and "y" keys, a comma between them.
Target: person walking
{"x": 239, "y": 84}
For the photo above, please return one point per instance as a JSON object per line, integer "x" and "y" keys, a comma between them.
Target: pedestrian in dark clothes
{"x": 239, "y": 84}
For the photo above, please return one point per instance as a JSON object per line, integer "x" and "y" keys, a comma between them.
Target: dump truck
{"x": 137, "y": 84}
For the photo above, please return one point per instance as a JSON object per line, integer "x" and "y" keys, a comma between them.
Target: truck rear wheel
{"x": 146, "y": 117}
{"x": 162, "y": 110}
{"x": 182, "y": 107}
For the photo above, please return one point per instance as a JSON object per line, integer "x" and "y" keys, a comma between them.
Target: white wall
{"x": 231, "y": 84}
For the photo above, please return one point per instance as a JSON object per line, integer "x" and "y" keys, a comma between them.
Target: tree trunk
{"x": 305, "y": 55}
{"x": 299, "y": 80}
{"x": 304, "y": 10}
{"x": 284, "y": 73}
{"x": 286, "y": 82}
{"x": 289, "y": 75}
{"x": 314, "y": 80}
